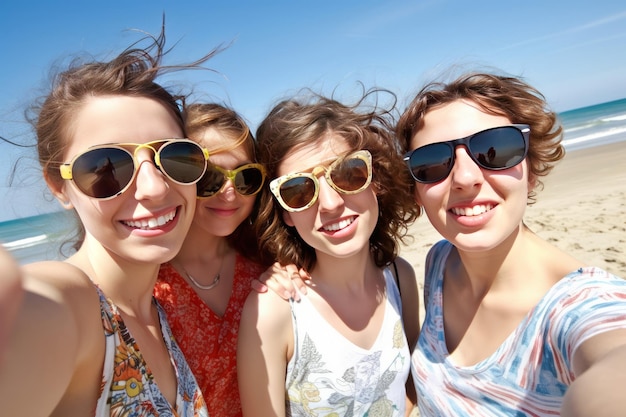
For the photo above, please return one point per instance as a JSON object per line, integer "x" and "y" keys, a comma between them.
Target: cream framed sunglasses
{"x": 106, "y": 171}
{"x": 347, "y": 175}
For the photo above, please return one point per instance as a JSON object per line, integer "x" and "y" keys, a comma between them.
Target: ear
{"x": 287, "y": 219}
{"x": 59, "y": 193}
{"x": 63, "y": 200}
{"x": 416, "y": 196}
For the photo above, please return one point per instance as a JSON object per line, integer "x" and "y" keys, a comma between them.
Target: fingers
{"x": 288, "y": 281}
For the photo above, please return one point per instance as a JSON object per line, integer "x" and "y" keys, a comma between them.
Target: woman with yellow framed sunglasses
{"x": 204, "y": 287}
{"x": 89, "y": 338}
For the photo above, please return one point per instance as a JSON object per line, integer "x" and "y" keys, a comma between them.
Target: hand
{"x": 283, "y": 280}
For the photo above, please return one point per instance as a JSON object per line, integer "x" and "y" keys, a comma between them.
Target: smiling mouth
{"x": 472, "y": 211}
{"x": 152, "y": 223}
{"x": 339, "y": 225}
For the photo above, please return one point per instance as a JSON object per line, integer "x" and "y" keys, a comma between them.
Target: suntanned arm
{"x": 600, "y": 366}
{"x": 47, "y": 344}
{"x": 410, "y": 318}
{"x": 11, "y": 293}
{"x": 265, "y": 343}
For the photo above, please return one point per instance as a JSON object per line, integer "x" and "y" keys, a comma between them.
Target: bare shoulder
{"x": 267, "y": 307}
{"x": 64, "y": 285}
{"x": 55, "y": 276}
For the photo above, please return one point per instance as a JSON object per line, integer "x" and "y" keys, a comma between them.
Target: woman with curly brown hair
{"x": 337, "y": 206}
{"x": 513, "y": 325}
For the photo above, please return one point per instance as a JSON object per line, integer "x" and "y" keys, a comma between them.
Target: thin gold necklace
{"x": 212, "y": 285}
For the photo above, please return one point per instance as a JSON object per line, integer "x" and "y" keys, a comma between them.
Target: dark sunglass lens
{"x": 431, "y": 163}
{"x": 297, "y": 192}
{"x": 104, "y": 172}
{"x": 211, "y": 182}
{"x": 499, "y": 148}
{"x": 350, "y": 174}
{"x": 182, "y": 161}
{"x": 249, "y": 180}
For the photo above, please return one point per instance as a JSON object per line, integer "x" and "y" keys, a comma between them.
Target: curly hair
{"x": 201, "y": 116}
{"x": 132, "y": 73}
{"x": 308, "y": 120}
{"x": 498, "y": 95}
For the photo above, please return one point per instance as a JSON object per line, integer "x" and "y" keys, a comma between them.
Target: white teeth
{"x": 151, "y": 223}
{"x": 472, "y": 211}
{"x": 339, "y": 225}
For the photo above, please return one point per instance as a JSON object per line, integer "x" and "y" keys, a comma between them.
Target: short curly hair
{"x": 306, "y": 120}
{"x": 499, "y": 95}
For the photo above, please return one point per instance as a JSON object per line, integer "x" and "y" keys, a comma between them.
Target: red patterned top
{"x": 209, "y": 342}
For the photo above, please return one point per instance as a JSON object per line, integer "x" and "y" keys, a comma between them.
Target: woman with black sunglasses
{"x": 89, "y": 338}
{"x": 514, "y": 325}
{"x": 337, "y": 206}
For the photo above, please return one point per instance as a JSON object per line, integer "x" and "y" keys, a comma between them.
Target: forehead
{"x": 305, "y": 157}
{"x": 115, "y": 119}
{"x": 455, "y": 120}
{"x": 223, "y": 141}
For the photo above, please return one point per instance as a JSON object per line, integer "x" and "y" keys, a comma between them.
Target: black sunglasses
{"x": 247, "y": 179}
{"x": 494, "y": 149}
{"x": 106, "y": 171}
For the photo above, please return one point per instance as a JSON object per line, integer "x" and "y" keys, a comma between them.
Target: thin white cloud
{"x": 576, "y": 29}
{"x": 389, "y": 14}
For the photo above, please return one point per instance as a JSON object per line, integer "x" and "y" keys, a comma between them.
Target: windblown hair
{"x": 132, "y": 73}
{"x": 304, "y": 121}
{"x": 498, "y": 95}
{"x": 201, "y": 116}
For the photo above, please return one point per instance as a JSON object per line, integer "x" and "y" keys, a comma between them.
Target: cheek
{"x": 247, "y": 204}
{"x": 287, "y": 219}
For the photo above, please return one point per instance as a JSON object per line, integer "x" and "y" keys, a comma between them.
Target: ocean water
{"x": 594, "y": 125}
{"x": 42, "y": 237}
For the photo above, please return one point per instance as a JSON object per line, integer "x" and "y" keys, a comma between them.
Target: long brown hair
{"x": 307, "y": 120}
{"x": 200, "y": 116}
{"x": 131, "y": 73}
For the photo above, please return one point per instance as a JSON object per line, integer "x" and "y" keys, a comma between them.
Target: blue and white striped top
{"x": 530, "y": 372}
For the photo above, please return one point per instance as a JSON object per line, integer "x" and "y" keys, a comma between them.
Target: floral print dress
{"x": 330, "y": 376}
{"x": 128, "y": 388}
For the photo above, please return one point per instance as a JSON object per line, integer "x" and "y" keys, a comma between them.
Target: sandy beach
{"x": 582, "y": 210}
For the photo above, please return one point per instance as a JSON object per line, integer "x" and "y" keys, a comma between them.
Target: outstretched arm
{"x": 600, "y": 366}
{"x": 48, "y": 343}
{"x": 11, "y": 293}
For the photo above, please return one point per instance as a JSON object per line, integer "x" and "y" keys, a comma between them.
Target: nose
{"x": 227, "y": 192}
{"x": 465, "y": 172}
{"x": 150, "y": 182}
{"x": 328, "y": 198}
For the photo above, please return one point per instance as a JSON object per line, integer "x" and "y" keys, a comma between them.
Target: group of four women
{"x": 182, "y": 210}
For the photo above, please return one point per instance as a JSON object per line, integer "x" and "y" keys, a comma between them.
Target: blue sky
{"x": 574, "y": 52}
